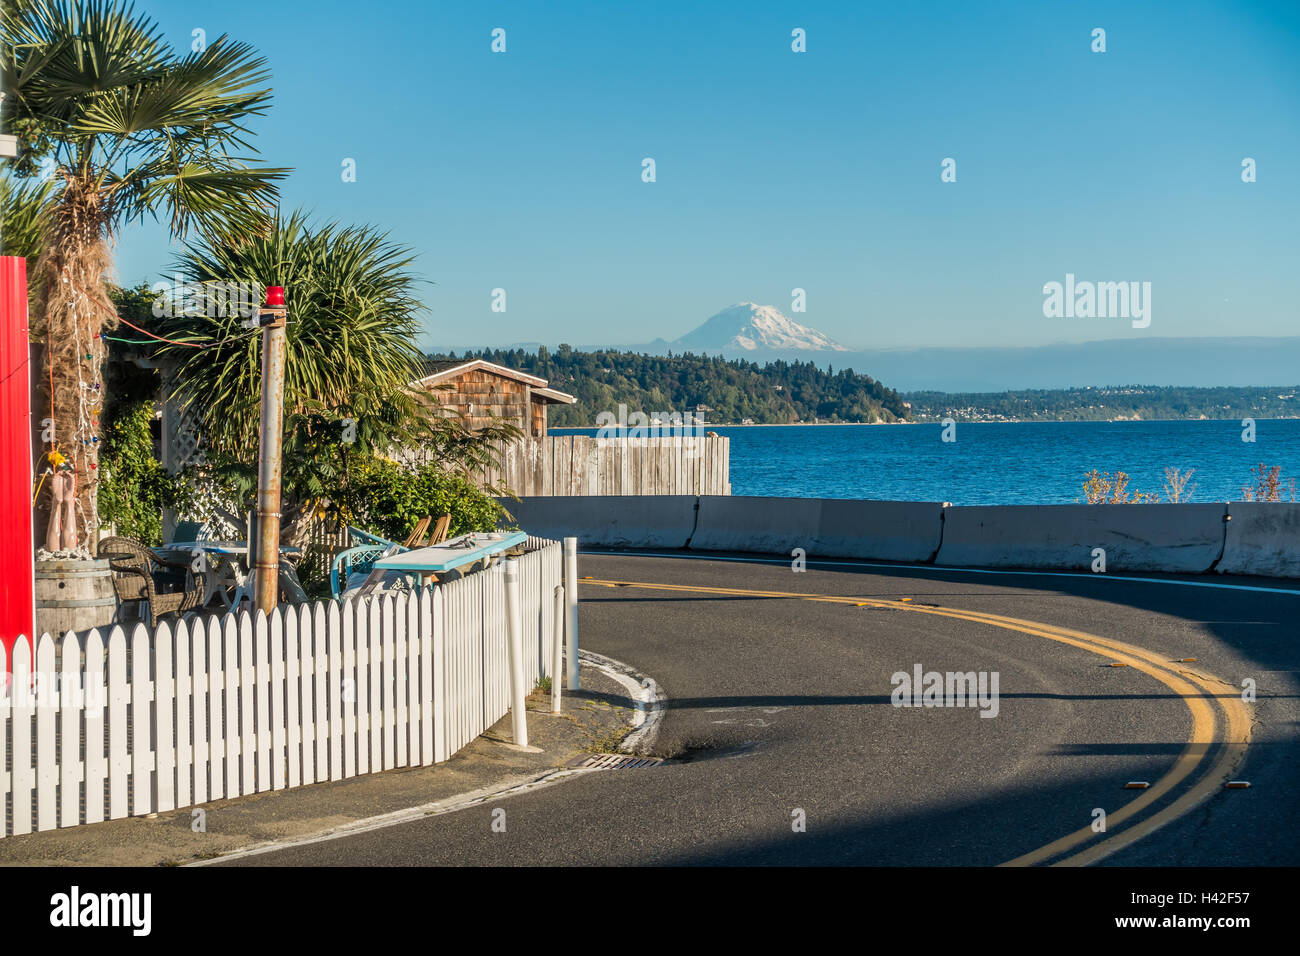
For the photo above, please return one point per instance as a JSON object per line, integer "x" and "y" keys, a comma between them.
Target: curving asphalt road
{"x": 779, "y": 707}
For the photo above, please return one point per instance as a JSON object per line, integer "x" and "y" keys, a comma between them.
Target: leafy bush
{"x": 388, "y": 498}
{"x": 134, "y": 488}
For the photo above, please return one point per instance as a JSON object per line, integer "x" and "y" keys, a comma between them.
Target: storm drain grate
{"x": 614, "y": 762}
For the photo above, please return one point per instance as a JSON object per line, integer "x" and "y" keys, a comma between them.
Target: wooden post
{"x": 266, "y": 570}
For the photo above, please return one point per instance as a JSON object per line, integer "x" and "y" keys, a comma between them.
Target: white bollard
{"x": 515, "y": 642}
{"x": 571, "y": 607}
{"x": 557, "y": 662}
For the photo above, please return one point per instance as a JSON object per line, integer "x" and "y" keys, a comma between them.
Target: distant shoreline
{"x": 961, "y": 421}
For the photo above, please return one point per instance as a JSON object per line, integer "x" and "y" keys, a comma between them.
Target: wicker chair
{"x": 134, "y": 570}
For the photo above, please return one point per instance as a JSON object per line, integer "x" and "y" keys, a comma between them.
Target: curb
{"x": 646, "y": 693}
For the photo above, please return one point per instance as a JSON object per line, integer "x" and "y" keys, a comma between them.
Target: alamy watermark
{"x": 675, "y": 429}
{"x": 1098, "y": 300}
{"x": 923, "y": 688}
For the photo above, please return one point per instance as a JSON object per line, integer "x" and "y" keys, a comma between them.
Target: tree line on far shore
{"x": 731, "y": 391}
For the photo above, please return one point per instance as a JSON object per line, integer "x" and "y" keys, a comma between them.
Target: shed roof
{"x": 440, "y": 370}
{"x": 443, "y": 369}
{"x": 554, "y": 396}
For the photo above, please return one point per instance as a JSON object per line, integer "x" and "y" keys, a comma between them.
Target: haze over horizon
{"x": 778, "y": 170}
{"x": 762, "y": 334}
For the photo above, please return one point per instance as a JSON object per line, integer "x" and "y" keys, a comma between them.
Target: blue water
{"x": 1000, "y": 462}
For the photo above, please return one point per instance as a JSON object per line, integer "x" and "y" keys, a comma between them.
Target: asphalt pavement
{"x": 785, "y": 746}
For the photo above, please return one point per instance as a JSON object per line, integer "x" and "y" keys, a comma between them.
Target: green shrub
{"x": 133, "y": 488}
{"x": 388, "y": 498}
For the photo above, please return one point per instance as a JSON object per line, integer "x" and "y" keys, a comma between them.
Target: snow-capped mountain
{"x": 752, "y": 327}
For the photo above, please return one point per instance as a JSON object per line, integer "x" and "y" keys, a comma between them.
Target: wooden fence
{"x": 104, "y": 727}
{"x": 588, "y": 465}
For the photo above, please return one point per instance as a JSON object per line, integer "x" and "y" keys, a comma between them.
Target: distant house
{"x": 480, "y": 391}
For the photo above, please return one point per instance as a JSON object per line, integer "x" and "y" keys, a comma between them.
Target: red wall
{"x": 17, "y": 561}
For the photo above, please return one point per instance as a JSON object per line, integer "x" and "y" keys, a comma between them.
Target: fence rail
{"x": 100, "y": 727}
{"x": 588, "y": 465}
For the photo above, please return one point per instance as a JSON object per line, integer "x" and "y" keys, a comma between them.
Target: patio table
{"x": 452, "y": 553}
{"x": 227, "y": 573}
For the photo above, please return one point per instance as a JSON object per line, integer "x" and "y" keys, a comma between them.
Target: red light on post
{"x": 275, "y": 297}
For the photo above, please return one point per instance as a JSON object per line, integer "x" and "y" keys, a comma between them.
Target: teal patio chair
{"x": 360, "y": 558}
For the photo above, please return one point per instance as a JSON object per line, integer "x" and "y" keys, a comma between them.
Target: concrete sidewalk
{"x": 595, "y": 719}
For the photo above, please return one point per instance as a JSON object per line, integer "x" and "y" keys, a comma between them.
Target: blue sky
{"x": 776, "y": 170}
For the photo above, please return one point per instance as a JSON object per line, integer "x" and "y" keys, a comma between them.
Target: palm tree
{"x": 351, "y": 356}
{"x": 136, "y": 131}
{"x": 22, "y": 212}
{"x": 350, "y": 343}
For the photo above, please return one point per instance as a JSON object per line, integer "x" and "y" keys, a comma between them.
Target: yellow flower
{"x": 56, "y": 458}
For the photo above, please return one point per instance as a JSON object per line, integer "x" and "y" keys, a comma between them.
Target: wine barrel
{"x": 73, "y": 596}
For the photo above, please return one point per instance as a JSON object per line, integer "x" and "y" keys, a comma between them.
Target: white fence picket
{"x": 438, "y": 664}
{"x": 277, "y": 634}
{"x": 361, "y": 609}
{"x": 375, "y": 714}
{"x": 164, "y": 692}
{"x": 24, "y": 774}
{"x": 184, "y": 715}
{"x": 199, "y": 657}
{"x": 410, "y": 727}
{"x": 72, "y": 703}
{"x": 350, "y": 686}
{"x": 216, "y": 713}
{"x": 320, "y": 624}
{"x": 96, "y": 764}
{"x": 292, "y": 722}
{"x": 426, "y": 696}
{"x": 306, "y": 712}
{"x": 386, "y": 710}
{"x": 399, "y": 679}
{"x": 141, "y": 706}
{"x": 230, "y": 701}
{"x": 47, "y": 765}
{"x": 334, "y": 698}
{"x": 262, "y": 628}
{"x": 119, "y": 691}
{"x": 247, "y": 696}
{"x": 239, "y": 704}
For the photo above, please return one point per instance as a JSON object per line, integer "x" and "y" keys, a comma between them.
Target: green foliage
{"x": 350, "y": 360}
{"x": 95, "y": 86}
{"x": 388, "y": 498}
{"x": 775, "y": 393}
{"x": 134, "y": 488}
{"x": 350, "y": 341}
{"x": 24, "y": 217}
{"x": 24, "y": 206}
{"x": 126, "y": 383}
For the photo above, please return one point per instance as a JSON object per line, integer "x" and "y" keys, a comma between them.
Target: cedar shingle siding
{"x": 478, "y": 395}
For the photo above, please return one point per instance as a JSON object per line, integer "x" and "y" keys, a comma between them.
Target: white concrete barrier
{"x": 823, "y": 527}
{"x": 608, "y": 521}
{"x": 1263, "y": 538}
{"x": 1185, "y": 538}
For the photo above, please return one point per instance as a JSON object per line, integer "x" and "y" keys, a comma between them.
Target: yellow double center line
{"x": 1225, "y": 732}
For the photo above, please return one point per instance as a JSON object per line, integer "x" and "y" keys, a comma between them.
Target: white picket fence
{"x": 145, "y": 722}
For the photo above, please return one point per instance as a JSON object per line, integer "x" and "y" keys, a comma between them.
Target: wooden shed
{"x": 481, "y": 391}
